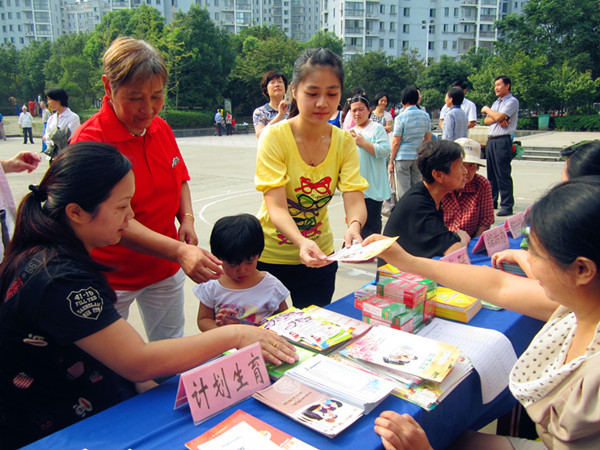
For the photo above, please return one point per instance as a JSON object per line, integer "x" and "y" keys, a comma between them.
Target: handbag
{"x": 60, "y": 139}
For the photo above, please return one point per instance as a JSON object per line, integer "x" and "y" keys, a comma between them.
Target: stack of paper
{"x": 310, "y": 330}
{"x": 453, "y": 305}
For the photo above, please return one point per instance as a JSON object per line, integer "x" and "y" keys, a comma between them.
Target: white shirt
{"x": 467, "y": 106}
{"x": 67, "y": 119}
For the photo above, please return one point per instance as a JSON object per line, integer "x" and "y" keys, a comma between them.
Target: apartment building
{"x": 432, "y": 27}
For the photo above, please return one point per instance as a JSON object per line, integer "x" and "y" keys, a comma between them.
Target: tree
{"x": 68, "y": 68}
{"x": 9, "y": 74}
{"x": 257, "y": 57}
{"x": 326, "y": 39}
{"x": 31, "y": 68}
{"x": 561, "y": 30}
{"x": 204, "y": 72}
{"x": 376, "y": 72}
{"x": 440, "y": 75}
{"x": 573, "y": 89}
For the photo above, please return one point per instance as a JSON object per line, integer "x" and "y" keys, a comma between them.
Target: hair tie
{"x": 39, "y": 194}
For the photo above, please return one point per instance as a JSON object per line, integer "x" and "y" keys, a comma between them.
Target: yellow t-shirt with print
{"x": 308, "y": 189}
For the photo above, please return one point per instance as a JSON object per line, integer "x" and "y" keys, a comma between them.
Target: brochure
{"x": 405, "y": 353}
{"x": 358, "y": 252}
{"x": 321, "y": 412}
{"x": 243, "y": 430}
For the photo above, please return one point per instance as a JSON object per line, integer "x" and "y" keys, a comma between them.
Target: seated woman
{"x": 582, "y": 159}
{"x": 417, "y": 218}
{"x": 66, "y": 352}
{"x": 471, "y": 208}
{"x": 556, "y": 379}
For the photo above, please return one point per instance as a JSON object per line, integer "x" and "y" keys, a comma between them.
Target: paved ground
{"x": 222, "y": 170}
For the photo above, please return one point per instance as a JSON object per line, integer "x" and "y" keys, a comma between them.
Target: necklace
{"x": 138, "y": 135}
{"x": 312, "y": 158}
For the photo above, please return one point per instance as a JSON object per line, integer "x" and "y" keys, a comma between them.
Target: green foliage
{"x": 560, "y": 30}
{"x": 528, "y": 123}
{"x": 326, "y": 39}
{"x": 576, "y": 123}
{"x": 257, "y": 57}
{"x": 377, "y": 72}
{"x": 203, "y": 72}
{"x": 432, "y": 99}
{"x": 179, "y": 120}
{"x": 9, "y": 74}
{"x": 441, "y": 74}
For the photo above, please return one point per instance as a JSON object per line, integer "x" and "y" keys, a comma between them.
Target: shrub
{"x": 577, "y": 123}
{"x": 179, "y": 120}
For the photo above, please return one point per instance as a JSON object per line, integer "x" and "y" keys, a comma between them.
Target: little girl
{"x": 243, "y": 294}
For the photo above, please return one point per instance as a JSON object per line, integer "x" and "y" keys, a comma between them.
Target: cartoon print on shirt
{"x": 83, "y": 407}
{"x": 86, "y": 303}
{"x": 76, "y": 370}
{"x": 35, "y": 340}
{"x": 305, "y": 212}
{"x": 22, "y": 381}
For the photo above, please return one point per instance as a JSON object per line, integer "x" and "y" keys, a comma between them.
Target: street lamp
{"x": 427, "y": 27}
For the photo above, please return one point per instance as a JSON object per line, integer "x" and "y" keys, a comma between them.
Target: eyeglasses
{"x": 321, "y": 186}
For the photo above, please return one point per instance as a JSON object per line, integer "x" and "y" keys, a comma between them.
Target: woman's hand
{"x": 401, "y": 432}
{"x": 275, "y": 349}
{"x": 199, "y": 264}
{"x": 282, "y": 108}
{"x": 513, "y": 256}
{"x": 311, "y": 255}
{"x": 391, "y": 166}
{"x": 186, "y": 232}
{"x": 394, "y": 254}
{"x": 352, "y": 234}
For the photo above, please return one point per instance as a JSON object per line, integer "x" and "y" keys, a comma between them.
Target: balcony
{"x": 354, "y": 30}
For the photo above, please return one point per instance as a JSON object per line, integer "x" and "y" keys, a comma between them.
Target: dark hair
{"x": 379, "y": 96}
{"x": 353, "y": 93}
{"x": 360, "y": 98}
{"x": 582, "y": 159}
{"x": 460, "y": 83}
{"x": 565, "y": 220}
{"x": 312, "y": 58}
{"x": 409, "y": 96}
{"x": 235, "y": 239}
{"x": 58, "y": 94}
{"x": 85, "y": 174}
{"x": 457, "y": 95}
{"x": 271, "y": 75}
{"x": 437, "y": 154}
{"x": 505, "y": 80}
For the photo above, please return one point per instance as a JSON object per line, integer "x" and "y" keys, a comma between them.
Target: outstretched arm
{"x": 522, "y": 295}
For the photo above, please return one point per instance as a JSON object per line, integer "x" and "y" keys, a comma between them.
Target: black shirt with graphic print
{"x": 46, "y": 382}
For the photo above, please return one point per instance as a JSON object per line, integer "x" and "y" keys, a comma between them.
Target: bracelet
{"x": 357, "y": 221}
{"x": 189, "y": 214}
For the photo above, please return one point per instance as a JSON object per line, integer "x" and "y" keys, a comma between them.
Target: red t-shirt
{"x": 159, "y": 174}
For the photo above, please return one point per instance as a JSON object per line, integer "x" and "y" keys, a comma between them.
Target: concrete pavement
{"x": 222, "y": 172}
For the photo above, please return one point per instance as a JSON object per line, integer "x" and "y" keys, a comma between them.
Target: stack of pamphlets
{"x": 423, "y": 371}
{"x": 453, "y": 305}
{"x": 325, "y": 395}
{"x": 315, "y": 328}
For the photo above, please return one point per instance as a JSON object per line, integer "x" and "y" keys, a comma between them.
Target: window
{"x": 392, "y": 9}
{"x": 404, "y": 45}
{"x": 454, "y": 28}
{"x": 392, "y": 26}
{"x": 9, "y": 16}
{"x": 380, "y": 43}
{"x": 455, "y": 12}
{"x": 431, "y": 29}
{"x": 445, "y": 28}
{"x": 406, "y": 28}
{"x": 406, "y": 12}
{"x": 431, "y": 45}
{"x": 432, "y": 12}
{"x": 446, "y": 12}
{"x": 445, "y": 45}
{"x": 381, "y": 9}
{"x": 381, "y": 26}
{"x": 453, "y": 45}
{"x": 391, "y": 43}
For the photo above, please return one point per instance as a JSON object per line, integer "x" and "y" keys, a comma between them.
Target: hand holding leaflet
{"x": 358, "y": 252}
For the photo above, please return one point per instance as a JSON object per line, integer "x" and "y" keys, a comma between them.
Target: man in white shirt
{"x": 467, "y": 106}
